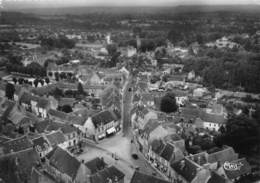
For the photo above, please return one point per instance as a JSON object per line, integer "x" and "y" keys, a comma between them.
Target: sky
{"x": 166, "y": 2}
{"x": 159, "y": 2}
{"x": 139, "y": 2}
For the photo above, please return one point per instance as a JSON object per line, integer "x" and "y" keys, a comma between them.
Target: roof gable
{"x": 139, "y": 177}
{"x": 16, "y": 145}
{"x": 186, "y": 169}
{"x": 96, "y": 165}
{"x": 64, "y": 162}
{"x": 103, "y": 117}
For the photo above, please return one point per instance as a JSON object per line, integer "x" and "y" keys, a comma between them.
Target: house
{"x": 11, "y": 111}
{"x": 95, "y": 79}
{"x": 111, "y": 78}
{"x": 102, "y": 124}
{"x": 216, "y": 178}
{"x": 162, "y": 155}
{"x": 17, "y": 145}
{"x": 35, "y": 104}
{"x": 139, "y": 177}
{"x": 199, "y": 92}
{"x": 71, "y": 135}
{"x": 210, "y": 121}
{"x": 64, "y": 167}
{"x": 189, "y": 171}
{"x": 141, "y": 116}
{"x": 38, "y": 176}
{"x": 109, "y": 174}
{"x": 24, "y": 160}
{"x": 218, "y": 158}
{"x": 95, "y": 165}
{"x": 175, "y": 80}
{"x": 147, "y": 99}
{"x": 41, "y": 146}
{"x": 56, "y": 138}
{"x": 41, "y": 126}
{"x": 189, "y": 114}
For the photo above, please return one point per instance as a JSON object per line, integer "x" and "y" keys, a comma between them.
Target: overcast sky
{"x": 158, "y": 2}
{"x": 138, "y": 2}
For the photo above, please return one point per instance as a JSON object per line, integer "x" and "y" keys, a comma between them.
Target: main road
{"x": 127, "y": 105}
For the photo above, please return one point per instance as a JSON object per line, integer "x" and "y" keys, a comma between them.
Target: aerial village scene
{"x": 129, "y": 94}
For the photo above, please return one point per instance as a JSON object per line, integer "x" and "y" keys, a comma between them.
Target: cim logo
{"x": 232, "y": 166}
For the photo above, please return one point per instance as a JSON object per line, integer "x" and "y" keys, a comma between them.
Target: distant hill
{"x": 130, "y": 10}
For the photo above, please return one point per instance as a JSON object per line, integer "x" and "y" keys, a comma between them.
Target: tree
{"x": 242, "y": 133}
{"x": 168, "y": 103}
{"x": 80, "y": 89}
{"x": 63, "y": 75}
{"x": 47, "y": 81}
{"x": 36, "y": 82}
{"x": 57, "y": 76}
{"x": 14, "y": 80}
{"x": 57, "y": 93}
{"x": 111, "y": 49}
{"x": 155, "y": 78}
{"x": 20, "y": 81}
{"x": 9, "y": 91}
{"x": 41, "y": 81}
{"x": 66, "y": 108}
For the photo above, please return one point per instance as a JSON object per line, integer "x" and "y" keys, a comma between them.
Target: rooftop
{"x": 64, "y": 162}
{"x": 139, "y": 177}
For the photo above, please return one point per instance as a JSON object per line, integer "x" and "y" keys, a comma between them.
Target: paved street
{"x": 121, "y": 146}
{"x": 120, "y": 143}
{"x": 127, "y": 105}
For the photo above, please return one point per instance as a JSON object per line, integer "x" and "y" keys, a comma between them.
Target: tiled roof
{"x": 39, "y": 177}
{"x": 64, "y": 162}
{"x": 227, "y": 154}
{"x": 27, "y": 98}
{"x": 27, "y": 159}
{"x": 200, "y": 158}
{"x": 243, "y": 170}
{"x": 41, "y": 143}
{"x": 147, "y": 97}
{"x": 96, "y": 165}
{"x": 215, "y": 178}
{"x": 186, "y": 169}
{"x": 213, "y": 118}
{"x": 17, "y": 145}
{"x": 168, "y": 152}
{"x": 102, "y": 117}
{"x": 76, "y": 120}
{"x": 157, "y": 146}
{"x": 139, "y": 177}
{"x": 67, "y": 101}
{"x": 42, "y": 125}
{"x": 54, "y": 126}
{"x": 57, "y": 114}
{"x": 190, "y": 112}
{"x": 55, "y": 138}
{"x": 67, "y": 129}
{"x": 17, "y": 117}
{"x": 107, "y": 174}
{"x": 150, "y": 126}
